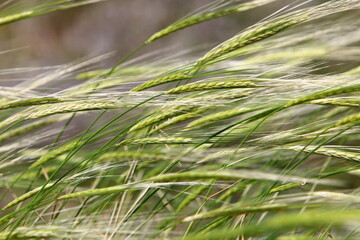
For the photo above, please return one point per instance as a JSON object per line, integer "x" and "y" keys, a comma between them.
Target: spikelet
{"x": 338, "y": 102}
{"x": 237, "y": 210}
{"x": 352, "y": 156}
{"x": 181, "y": 118}
{"x": 217, "y": 117}
{"x": 324, "y": 94}
{"x": 164, "y": 114}
{"x": 53, "y": 154}
{"x": 27, "y": 196}
{"x": 160, "y": 80}
{"x": 352, "y": 119}
{"x": 234, "y": 175}
{"x": 129, "y": 155}
{"x": 30, "y": 233}
{"x": 29, "y": 102}
{"x": 210, "y": 86}
{"x": 28, "y": 128}
{"x": 195, "y": 194}
{"x": 72, "y": 107}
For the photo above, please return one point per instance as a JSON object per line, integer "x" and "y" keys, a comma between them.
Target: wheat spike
{"x": 217, "y": 117}
{"x": 129, "y": 155}
{"x": 211, "y": 85}
{"x": 165, "y": 114}
{"x": 338, "y": 102}
{"x": 160, "y": 80}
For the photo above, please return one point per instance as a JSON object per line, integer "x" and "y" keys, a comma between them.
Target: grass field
{"x": 254, "y": 138}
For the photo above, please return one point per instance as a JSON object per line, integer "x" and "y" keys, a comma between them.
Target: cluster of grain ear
{"x": 271, "y": 27}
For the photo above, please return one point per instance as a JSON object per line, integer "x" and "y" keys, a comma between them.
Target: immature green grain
{"x": 211, "y": 85}
{"x": 41, "y": 9}
{"x": 324, "y": 94}
{"x": 53, "y": 154}
{"x": 168, "y": 140}
{"x": 32, "y": 234}
{"x": 237, "y": 188}
{"x": 215, "y": 117}
{"x": 331, "y": 152}
{"x": 130, "y": 155}
{"x": 338, "y": 102}
{"x": 282, "y": 223}
{"x": 27, "y": 196}
{"x": 113, "y": 189}
{"x": 193, "y": 195}
{"x": 203, "y": 17}
{"x": 160, "y": 80}
{"x": 28, "y": 128}
{"x": 238, "y": 210}
{"x": 72, "y": 107}
{"x": 29, "y": 102}
{"x": 162, "y": 115}
{"x": 352, "y": 119}
{"x": 233, "y": 175}
{"x": 35, "y": 112}
{"x": 178, "y": 119}
{"x": 285, "y": 187}
{"x": 271, "y": 27}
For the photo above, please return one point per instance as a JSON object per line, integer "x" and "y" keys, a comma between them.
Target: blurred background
{"x": 116, "y": 26}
